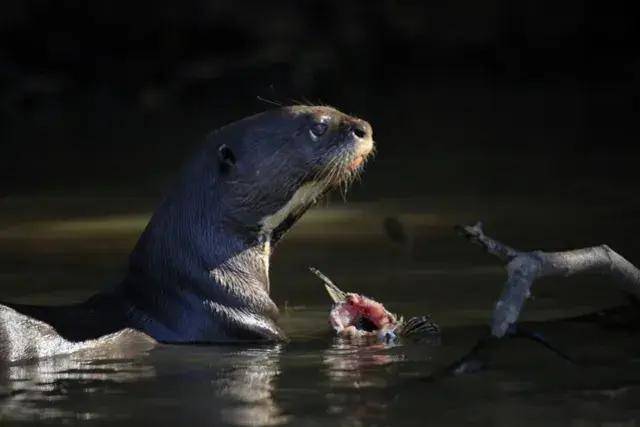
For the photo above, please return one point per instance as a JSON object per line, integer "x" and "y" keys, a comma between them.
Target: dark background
{"x": 527, "y": 98}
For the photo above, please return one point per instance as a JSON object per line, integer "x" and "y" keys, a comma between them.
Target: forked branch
{"x": 523, "y": 268}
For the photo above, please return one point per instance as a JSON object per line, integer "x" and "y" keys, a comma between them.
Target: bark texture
{"x": 523, "y": 268}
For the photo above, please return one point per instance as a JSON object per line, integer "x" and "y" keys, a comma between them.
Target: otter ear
{"x": 226, "y": 157}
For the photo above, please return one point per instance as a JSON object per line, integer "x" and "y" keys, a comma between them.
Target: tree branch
{"x": 523, "y": 268}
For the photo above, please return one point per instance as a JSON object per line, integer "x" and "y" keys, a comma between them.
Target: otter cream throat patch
{"x": 304, "y": 196}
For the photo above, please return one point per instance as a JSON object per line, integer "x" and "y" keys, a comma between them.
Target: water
{"x": 61, "y": 250}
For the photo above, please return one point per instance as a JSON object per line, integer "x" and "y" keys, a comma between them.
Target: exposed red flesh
{"x": 344, "y": 316}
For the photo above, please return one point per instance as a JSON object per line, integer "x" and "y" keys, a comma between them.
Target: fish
{"x": 356, "y": 316}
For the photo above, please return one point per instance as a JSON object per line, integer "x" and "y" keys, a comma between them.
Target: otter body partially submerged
{"x": 200, "y": 270}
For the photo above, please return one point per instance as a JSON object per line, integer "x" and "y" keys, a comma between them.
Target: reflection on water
{"x": 29, "y": 388}
{"x": 352, "y": 367}
{"x": 326, "y": 381}
{"x": 347, "y": 362}
{"x": 238, "y": 384}
{"x": 250, "y": 384}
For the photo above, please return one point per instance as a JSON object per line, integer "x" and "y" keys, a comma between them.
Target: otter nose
{"x": 361, "y": 129}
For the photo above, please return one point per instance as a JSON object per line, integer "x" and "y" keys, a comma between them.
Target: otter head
{"x": 279, "y": 163}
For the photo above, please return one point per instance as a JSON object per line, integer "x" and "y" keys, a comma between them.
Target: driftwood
{"x": 523, "y": 268}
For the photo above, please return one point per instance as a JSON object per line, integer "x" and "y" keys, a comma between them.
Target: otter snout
{"x": 360, "y": 129}
{"x": 361, "y": 134}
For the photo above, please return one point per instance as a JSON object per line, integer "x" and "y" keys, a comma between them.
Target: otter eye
{"x": 317, "y": 130}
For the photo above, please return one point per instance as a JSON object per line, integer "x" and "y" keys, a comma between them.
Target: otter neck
{"x": 191, "y": 252}
{"x": 201, "y": 259}
{"x": 274, "y": 226}
{"x": 181, "y": 248}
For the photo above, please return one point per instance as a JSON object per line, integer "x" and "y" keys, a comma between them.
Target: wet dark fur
{"x": 197, "y": 273}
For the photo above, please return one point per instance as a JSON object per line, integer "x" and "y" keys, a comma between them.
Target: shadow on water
{"x": 316, "y": 379}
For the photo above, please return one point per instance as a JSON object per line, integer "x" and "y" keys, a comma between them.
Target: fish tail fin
{"x": 419, "y": 325}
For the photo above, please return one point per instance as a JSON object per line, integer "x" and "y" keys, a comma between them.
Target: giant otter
{"x": 200, "y": 270}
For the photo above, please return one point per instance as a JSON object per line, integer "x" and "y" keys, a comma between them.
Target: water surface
{"x": 61, "y": 250}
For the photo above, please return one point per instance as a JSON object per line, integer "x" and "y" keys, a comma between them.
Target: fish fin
{"x": 334, "y": 292}
{"x": 419, "y": 325}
